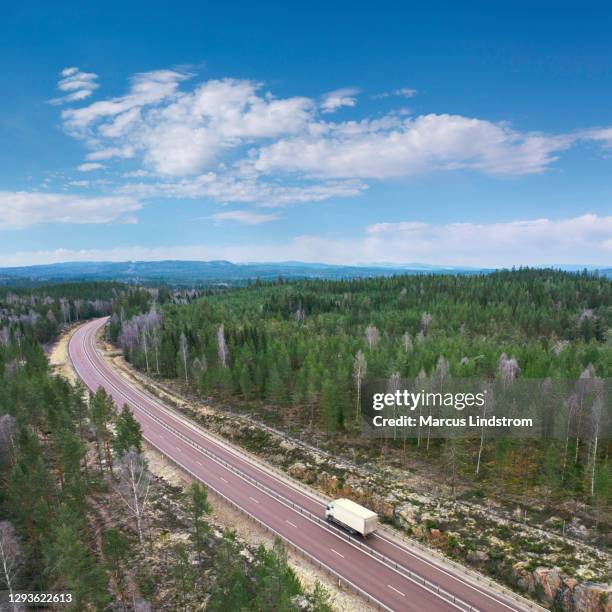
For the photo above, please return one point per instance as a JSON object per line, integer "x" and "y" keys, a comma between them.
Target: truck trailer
{"x": 352, "y": 517}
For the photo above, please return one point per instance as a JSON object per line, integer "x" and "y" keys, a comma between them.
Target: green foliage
{"x": 128, "y": 434}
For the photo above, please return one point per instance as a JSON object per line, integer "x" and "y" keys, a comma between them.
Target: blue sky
{"x": 472, "y": 133}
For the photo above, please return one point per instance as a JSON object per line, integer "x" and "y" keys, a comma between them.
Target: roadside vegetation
{"x": 293, "y": 355}
{"x": 80, "y": 511}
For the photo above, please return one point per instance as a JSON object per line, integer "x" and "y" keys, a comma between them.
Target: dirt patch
{"x": 59, "y": 360}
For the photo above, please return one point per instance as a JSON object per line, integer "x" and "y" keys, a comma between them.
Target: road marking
{"x": 223, "y": 479}
{"x": 335, "y": 551}
{"x": 253, "y": 499}
{"x": 199, "y": 462}
{"x": 392, "y": 587}
{"x": 291, "y": 524}
{"x": 178, "y": 449}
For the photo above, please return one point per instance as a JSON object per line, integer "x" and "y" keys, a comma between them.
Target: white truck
{"x": 352, "y": 516}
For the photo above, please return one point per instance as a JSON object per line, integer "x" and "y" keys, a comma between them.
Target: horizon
{"x": 456, "y": 137}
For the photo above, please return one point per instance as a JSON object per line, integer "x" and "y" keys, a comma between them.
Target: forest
{"x": 80, "y": 511}
{"x": 298, "y": 353}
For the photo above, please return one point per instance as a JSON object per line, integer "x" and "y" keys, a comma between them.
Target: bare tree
{"x": 419, "y": 383}
{"x": 360, "y": 368}
{"x": 488, "y": 401}
{"x": 11, "y": 555}
{"x": 222, "y": 349}
{"x": 393, "y": 385}
{"x": 8, "y": 430}
{"x": 584, "y": 387}
{"x": 596, "y": 414}
{"x": 184, "y": 353}
{"x": 372, "y": 336}
{"x": 426, "y": 320}
{"x": 407, "y": 342}
{"x": 508, "y": 369}
{"x": 134, "y": 487}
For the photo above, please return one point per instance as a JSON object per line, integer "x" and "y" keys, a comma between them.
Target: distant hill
{"x": 207, "y": 272}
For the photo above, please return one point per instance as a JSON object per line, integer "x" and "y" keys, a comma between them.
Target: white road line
{"x": 199, "y": 463}
{"x": 223, "y": 479}
{"x": 291, "y": 523}
{"x": 392, "y": 587}
{"x": 253, "y": 499}
{"x": 335, "y": 551}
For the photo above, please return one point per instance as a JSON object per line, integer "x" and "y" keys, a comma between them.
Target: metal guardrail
{"x": 406, "y": 573}
{"x": 309, "y": 492}
{"x": 413, "y": 576}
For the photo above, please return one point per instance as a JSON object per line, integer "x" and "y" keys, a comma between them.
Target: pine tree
{"x": 128, "y": 434}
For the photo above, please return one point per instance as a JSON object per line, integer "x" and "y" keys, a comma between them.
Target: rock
{"x": 288, "y": 446}
{"x": 298, "y": 470}
{"x": 301, "y": 602}
{"x": 576, "y": 528}
{"x": 592, "y": 597}
{"x": 477, "y": 556}
{"x": 550, "y": 580}
{"x": 524, "y": 579}
{"x": 409, "y": 514}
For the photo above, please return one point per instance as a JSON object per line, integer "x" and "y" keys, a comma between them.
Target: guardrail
{"x": 414, "y": 577}
{"x": 309, "y": 492}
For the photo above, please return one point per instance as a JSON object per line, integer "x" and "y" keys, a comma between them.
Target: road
{"x": 382, "y": 569}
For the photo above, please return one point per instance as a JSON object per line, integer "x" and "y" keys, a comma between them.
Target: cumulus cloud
{"x": 585, "y": 240}
{"x": 23, "y": 209}
{"x": 231, "y": 140}
{"x": 76, "y": 85}
{"x": 179, "y": 133}
{"x": 245, "y": 217}
{"x": 89, "y": 167}
{"x": 413, "y": 146}
{"x": 338, "y": 98}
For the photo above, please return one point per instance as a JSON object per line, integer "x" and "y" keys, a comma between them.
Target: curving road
{"x": 384, "y": 571}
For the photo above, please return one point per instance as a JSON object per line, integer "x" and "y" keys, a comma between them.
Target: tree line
{"x": 304, "y": 349}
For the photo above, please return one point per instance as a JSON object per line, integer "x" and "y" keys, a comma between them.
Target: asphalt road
{"x": 392, "y": 575}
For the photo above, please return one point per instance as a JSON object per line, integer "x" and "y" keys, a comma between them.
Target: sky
{"x": 446, "y": 133}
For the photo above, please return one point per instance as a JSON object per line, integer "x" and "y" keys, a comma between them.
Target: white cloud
{"x": 414, "y": 146}
{"x": 179, "y": 133}
{"x": 404, "y": 92}
{"x": 231, "y": 141}
{"x": 338, "y": 98}
{"x": 122, "y": 152}
{"x": 23, "y": 209}
{"x": 145, "y": 88}
{"x": 244, "y": 216}
{"x": 89, "y": 167}
{"x": 584, "y": 240}
{"x": 579, "y": 240}
{"x": 227, "y": 188}
{"x": 76, "y": 85}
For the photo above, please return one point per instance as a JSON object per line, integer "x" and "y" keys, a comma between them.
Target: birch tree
{"x": 134, "y": 487}
{"x": 360, "y": 368}
{"x": 222, "y": 349}
{"x": 184, "y": 353}
{"x": 372, "y": 336}
{"x": 11, "y": 556}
